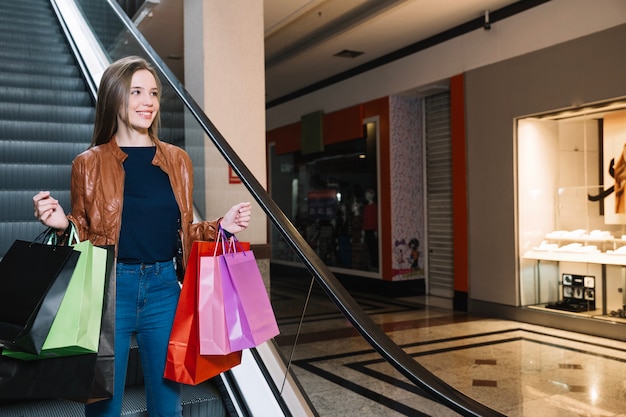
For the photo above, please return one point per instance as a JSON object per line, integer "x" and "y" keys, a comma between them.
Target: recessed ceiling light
{"x": 347, "y": 53}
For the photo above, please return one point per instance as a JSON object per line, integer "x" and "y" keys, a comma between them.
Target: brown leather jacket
{"x": 97, "y": 191}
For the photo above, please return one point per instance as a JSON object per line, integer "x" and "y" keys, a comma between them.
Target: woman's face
{"x": 143, "y": 101}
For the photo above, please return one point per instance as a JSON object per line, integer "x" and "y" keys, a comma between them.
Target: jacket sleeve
{"x": 77, "y": 195}
{"x": 206, "y": 230}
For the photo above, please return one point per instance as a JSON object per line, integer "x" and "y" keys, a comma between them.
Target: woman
{"x": 133, "y": 191}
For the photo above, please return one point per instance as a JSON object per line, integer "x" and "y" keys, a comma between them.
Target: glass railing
{"x": 320, "y": 294}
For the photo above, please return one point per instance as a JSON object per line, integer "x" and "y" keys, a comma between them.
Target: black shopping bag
{"x": 33, "y": 279}
{"x": 83, "y": 378}
{"x": 104, "y": 370}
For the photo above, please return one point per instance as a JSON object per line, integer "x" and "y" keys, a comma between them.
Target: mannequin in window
{"x": 370, "y": 227}
{"x": 620, "y": 182}
{"x": 344, "y": 236}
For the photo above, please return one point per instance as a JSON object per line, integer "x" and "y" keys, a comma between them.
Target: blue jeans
{"x": 146, "y": 300}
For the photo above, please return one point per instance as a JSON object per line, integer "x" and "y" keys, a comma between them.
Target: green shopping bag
{"x": 76, "y": 327}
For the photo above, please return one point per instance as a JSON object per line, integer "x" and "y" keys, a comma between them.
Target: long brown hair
{"x": 113, "y": 96}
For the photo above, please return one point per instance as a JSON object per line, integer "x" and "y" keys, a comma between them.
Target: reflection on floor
{"x": 514, "y": 368}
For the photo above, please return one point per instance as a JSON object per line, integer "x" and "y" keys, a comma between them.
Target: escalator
{"x": 46, "y": 114}
{"x": 44, "y": 136}
{"x": 46, "y": 118}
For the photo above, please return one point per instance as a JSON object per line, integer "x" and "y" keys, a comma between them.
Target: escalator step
{"x": 23, "y": 31}
{"x": 29, "y": 152}
{"x": 27, "y": 230}
{"x": 43, "y": 409}
{"x": 29, "y": 12}
{"x": 36, "y": 8}
{"x": 200, "y": 400}
{"x": 46, "y": 113}
{"x": 41, "y": 81}
{"x": 41, "y": 131}
{"x": 39, "y": 96}
{"x": 44, "y": 177}
{"x": 59, "y": 70}
{"x": 54, "y": 46}
{"x": 17, "y": 206}
{"x": 35, "y": 56}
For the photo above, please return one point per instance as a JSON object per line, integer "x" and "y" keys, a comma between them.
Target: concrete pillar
{"x": 225, "y": 74}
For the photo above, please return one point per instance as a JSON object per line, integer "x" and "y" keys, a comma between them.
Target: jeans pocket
{"x": 167, "y": 274}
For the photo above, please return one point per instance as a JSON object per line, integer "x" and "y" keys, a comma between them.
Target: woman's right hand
{"x": 49, "y": 212}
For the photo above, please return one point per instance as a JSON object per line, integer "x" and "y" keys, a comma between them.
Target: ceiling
{"x": 303, "y": 37}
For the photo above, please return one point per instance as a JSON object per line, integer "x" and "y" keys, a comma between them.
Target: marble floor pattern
{"x": 518, "y": 369}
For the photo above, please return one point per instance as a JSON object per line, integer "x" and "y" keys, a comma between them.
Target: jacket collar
{"x": 112, "y": 147}
{"x": 121, "y": 156}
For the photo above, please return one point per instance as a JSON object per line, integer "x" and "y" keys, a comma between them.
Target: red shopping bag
{"x": 212, "y": 316}
{"x": 184, "y": 362}
{"x": 249, "y": 314}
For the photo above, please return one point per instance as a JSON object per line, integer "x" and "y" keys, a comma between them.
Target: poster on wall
{"x": 407, "y": 260}
{"x": 614, "y": 164}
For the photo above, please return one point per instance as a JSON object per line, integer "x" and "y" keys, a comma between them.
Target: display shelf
{"x": 589, "y": 314}
{"x": 602, "y": 258}
{"x": 580, "y": 256}
{"x": 611, "y": 319}
{"x": 592, "y": 314}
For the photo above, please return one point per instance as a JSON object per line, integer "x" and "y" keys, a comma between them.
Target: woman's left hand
{"x": 237, "y": 218}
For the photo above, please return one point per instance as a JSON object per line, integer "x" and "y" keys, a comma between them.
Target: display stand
{"x": 602, "y": 259}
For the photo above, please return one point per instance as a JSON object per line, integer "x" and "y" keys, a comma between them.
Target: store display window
{"x": 331, "y": 198}
{"x": 571, "y": 188}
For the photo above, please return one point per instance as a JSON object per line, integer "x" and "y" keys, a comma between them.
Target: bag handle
{"x": 233, "y": 243}
{"x": 220, "y": 238}
{"x": 53, "y": 238}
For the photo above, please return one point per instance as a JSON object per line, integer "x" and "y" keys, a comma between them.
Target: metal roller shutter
{"x": 439, "y": 196}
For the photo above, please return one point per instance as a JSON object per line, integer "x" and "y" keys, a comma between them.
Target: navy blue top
{"x": 150, "y": 216}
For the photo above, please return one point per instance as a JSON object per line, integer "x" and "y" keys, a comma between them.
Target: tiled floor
{"x": 520, "y": 370}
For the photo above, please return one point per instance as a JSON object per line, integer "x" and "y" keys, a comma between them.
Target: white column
{"x": 225, "y": 73}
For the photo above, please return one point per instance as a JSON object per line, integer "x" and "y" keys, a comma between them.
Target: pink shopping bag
{"x": 249, "y": 314}
{"x": 212, "y": 330}
{"x": 212, "y": 324}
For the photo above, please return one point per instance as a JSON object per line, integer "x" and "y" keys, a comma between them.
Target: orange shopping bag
{"x": 184, "y": 362}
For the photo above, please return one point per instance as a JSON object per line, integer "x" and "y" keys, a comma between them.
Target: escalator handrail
{"x": 89, "y": 56}
{"x": 382, "y": 343}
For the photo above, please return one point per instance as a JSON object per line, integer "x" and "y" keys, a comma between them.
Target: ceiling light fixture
{"x": 347, "y": 53}
{"x": 487, "y": 24}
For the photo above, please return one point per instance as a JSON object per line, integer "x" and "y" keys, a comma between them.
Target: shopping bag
{"x": 33, "y": 280}
{"x": 101, "y": 386}
{"x": 249, "y": 314}
{"x": 76, "y": 326}
{"x": 82, "y": 378}
{"x": 184, "y": 362}
{"x": 212, "y": 318}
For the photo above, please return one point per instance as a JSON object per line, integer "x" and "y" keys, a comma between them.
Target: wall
{"x": 584, "y": 70}
{"x": 549, "y": 24}
{"x": 407, "y": 191}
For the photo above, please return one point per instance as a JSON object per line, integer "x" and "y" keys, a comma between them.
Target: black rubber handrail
{"x": 370, "y": 331}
